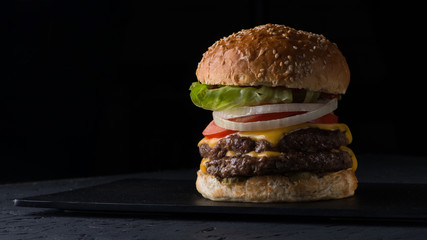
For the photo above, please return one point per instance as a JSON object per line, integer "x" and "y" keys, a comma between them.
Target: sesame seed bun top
{"x": 275, "y": 55}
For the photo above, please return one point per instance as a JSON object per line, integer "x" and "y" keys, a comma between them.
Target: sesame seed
{"x": 295, "y": 47}
{"x": 274, "y": 51}
{"x": 245, "y": 58}
{"x": 259, "y": 74}
{"x": 276, "y": 56}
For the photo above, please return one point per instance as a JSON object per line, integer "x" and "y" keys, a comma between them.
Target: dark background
{"x": 101, "y": 87}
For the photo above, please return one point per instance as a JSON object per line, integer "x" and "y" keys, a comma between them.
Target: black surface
{"x": 391, "y": 201}
{"x": 40, "y": 223}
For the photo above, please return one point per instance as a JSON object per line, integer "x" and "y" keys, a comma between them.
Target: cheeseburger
{"x": 274, "y": 136}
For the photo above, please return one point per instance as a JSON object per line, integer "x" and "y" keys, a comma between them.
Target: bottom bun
{"x": 277, "y": 188}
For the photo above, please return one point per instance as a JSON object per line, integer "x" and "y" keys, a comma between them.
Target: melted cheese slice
{"x": 255, "y": 154}
{"x": 263, "y": 154}
{"x": 274, "y": 135}
{"x": 203, "y": 165}
{"x": 274, "y": 154}
{"x": 353, "y": 157}
{"x": 209, "y": 141}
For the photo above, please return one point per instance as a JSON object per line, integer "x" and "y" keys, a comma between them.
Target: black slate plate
{"x": 372, "y": 201}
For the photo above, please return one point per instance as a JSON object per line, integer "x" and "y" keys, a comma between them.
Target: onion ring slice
{"x": 270, "y": 108}
{"x": 276, "y": 123}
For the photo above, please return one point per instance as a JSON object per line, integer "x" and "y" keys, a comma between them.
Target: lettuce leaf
{"x": 226, "y": 97}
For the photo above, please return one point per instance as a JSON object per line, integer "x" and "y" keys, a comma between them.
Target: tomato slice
{"x": 329, "y": 95}
{"x": 215, "y": 131}
{"x": 328, "y": 118}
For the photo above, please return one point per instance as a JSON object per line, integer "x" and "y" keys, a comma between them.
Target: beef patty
{"x": 302, "y": 150}
{"x": 245, "y": 165}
